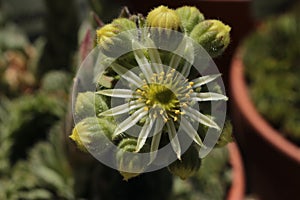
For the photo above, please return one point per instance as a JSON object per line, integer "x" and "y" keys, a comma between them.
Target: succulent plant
{"x": 45, "y": 175}
{"x": 34, "y": 161}
{"x": 161, "y": 94}
{"x": 271, "y": 57}
{"x": 40, "y": 110}
{"x": 18, "y": 61}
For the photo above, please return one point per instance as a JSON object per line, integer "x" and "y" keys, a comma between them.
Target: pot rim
{"x": 237, "y": 189}
{"x": 240, "y": 95}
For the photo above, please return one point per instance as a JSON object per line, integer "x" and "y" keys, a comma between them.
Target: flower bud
{"x": 113, "y": 39}
{"x": 189, "y": 16}
{"x": 130, "y": 163}
{"x": 163, "y": 17}
{"x": 130, "y": 26}
{"x": 89, "y": 104}
{"x": 105, "y": 35}
{"x": 212, "y": 35}
{"x": 93, "y": 134}
{"x": 188, "y": 165}
{"x": 164, "y": 23}
{"x": 124, "y": 24}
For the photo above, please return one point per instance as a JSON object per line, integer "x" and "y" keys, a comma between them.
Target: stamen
{"x": 165, "y": 119}
{"x": 140, "y": 100}
{"x": 184, "y": 105}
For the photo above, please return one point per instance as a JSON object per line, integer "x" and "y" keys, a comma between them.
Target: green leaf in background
{"x": 45, "y": 175}
{"x": 271, "y": 57}
{"x": 28, "y": 120}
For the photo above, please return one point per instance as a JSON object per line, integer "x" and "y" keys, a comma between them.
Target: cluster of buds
{"x": 163, "y": 90}
{"x": 212, "y": 35}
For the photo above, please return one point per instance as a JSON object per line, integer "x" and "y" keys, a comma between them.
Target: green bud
{"x": 163, "y": 17}
{"x": 124, "y": 24}
{"x": 93, "y": 134}
{"x": 89, "y": 104}
{"x": 188, "y": 165}
{"x": 130, "y": 166}
{"x": 164, "y": 23}
{"x": 105, "y": 35}
{"x": 112, "y": 39}
{"x": 212, "y": 35}
{"x": 226, "y": 135}
{"x": 189, "y": 16}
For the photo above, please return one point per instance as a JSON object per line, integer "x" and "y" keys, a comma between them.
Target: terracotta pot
{"x": 237, "y": 189}
{"x": 235, "y": 13}
{"x": 272, "y": 162}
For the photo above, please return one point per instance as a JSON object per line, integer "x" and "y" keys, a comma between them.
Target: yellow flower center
{"x": 162, "y": 98}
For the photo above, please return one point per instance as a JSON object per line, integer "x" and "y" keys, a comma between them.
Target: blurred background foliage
{"x": 266, "y": 8}
{"x": 41, "y": 45}
{"x": 272, "y": 60}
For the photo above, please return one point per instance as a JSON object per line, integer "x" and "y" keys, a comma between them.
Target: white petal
{"x": 154, "y": 57}
{"x": 175, "y": 60}
{"x": 197, "y": 116}
{"x": 204, "y": 79}
{"x": 158, "y": 125}
{"x": 154, "y": 146}
{"x": 156, "y": 138}
{"x": 189, "y": 58}
{"x": 121, "y": 109}
{"x": 186, "y": 69}
{"x": 142, "y": 60}
{"x": 208, "y": 96}
{"x": 127, "y": 75}
{"x": 158, "y": 68}
{"x": 192, "y": 133}
{"x": 144, "y": 134}
{"x": 130, "y": 121}
{"x": 174, "y": 139}
{"x": 121, "y": 93}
